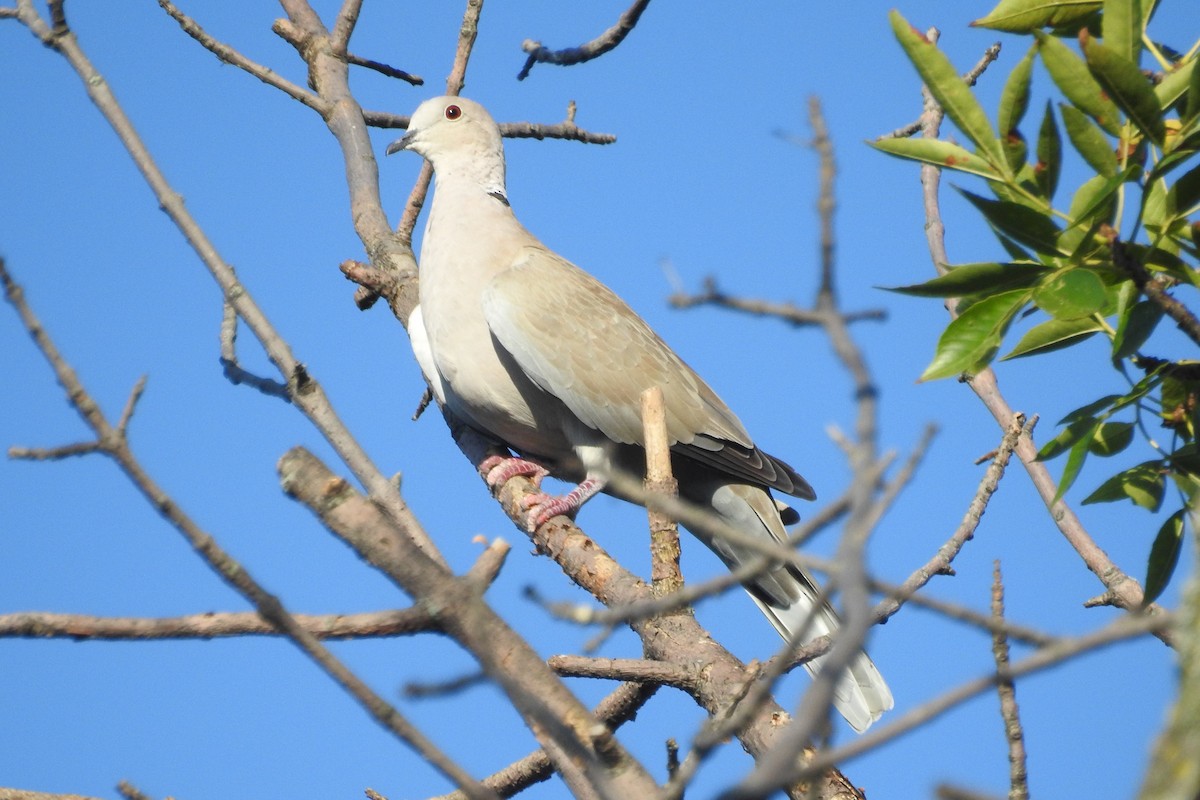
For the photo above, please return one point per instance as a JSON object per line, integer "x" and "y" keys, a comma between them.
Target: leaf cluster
{"x": 1106, "y": 257}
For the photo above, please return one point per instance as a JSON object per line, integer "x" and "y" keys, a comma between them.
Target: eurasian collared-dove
{"x": 533, "y": 352}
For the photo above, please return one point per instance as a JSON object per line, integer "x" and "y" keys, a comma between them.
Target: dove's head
{"x": 452, "y": 133}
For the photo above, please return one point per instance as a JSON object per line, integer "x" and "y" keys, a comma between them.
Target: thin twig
{"x": 8, "y": 793}
{"x": 1154, "y": 288}
{"x": 969, "y": 77}
{"x": 587, "y": 51}
{"x": 1014, "y": 734}
{"x": 790, "y": 313}
{"x": 948, "y": 792}
{"x": 231, "y": 56}
{"x": 1120, "y": 630}
{"x": 965, "y": 531}
{"x": 637, "y": 670}
{"x": 665, "y": 575}
{"x": 374, "y": 624}
{"x": 233, "y": 371}
{"x": 441, "y": 689}
{"x": 454, "y": 85}
{"x": 385, "y": 69}
{"x": 131, "y": 792}
{"x": 619, "y": 707}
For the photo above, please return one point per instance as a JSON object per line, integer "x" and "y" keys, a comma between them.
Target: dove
{"x": 536, "y": 354}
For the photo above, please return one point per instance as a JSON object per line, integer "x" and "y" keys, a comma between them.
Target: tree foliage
{"x": 1111, "y": 256}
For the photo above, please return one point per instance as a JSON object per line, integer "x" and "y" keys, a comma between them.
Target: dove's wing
{"x": 581, "y": 343}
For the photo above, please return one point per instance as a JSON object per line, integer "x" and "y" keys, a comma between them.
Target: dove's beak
{"x": 400, "y": 144}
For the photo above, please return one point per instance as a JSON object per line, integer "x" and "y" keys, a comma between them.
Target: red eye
{"x": 453, "y": 112}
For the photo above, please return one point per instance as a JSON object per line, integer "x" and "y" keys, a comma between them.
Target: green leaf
{"x": 1185, "y": 194}
{"x": 1179, "y": 405}
{"x": 1126, "y": 85}
{"x": 1014, "y": 102}
{"x": 948, "y": 88}
{"x": 972, "y": 338}
{"x": 1178, "y": 149}
{"x": 1094, "y": 202}
{"x": 1164, "y": 555}
{"x": 1143, "y": 484}
{"x": 1156, "y": 208}
{"x": 1079, "y": 429}
{"x": 1174, "y": 85}
{"x": 1023, "y": 16}
{"x": 1053, "y": 334}
{"x": 971, "y": 278}
{"x": 939, "y": 153}
{"x": 1088, "y": 412}
{"x": 1192, "y": 109}
{"x": 1049, "y": 154}
{"x": 1075, "y": 459}
{"x": 1111, "y": 438}
{"x": 1020, "y": 223}
{"x": 1121, "y": 28}
{"x": 1015, "y": 251}
{"x": 1089, "y": 140}
{"x": 1071, "y": 294}
{"x": 1074, "y": 80}
{"x": 1134, "y": 328}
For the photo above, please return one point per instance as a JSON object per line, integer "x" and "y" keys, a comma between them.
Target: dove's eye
{"x": 453, "y": 112}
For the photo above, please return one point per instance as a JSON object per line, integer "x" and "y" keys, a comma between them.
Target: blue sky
{"x": 698, "y": 179}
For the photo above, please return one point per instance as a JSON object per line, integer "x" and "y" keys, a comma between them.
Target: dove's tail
{"x": 788, "y": 597}
{"x": 861, "y": 695}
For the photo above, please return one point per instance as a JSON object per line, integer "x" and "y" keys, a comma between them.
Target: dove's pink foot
{"x": 542, "y": 507}
{"x": 500, "y": 468}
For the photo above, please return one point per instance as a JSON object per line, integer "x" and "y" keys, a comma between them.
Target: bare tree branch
{"x": 7, "y": 793}
{"x": 229, "y": 55}
{"x": 1014, "y": 734}
{"x": 229, "y": 360}
{"x": 637, "y": 670}
{"x": 587, "y": 51}
{"x": 370, "y": 222}
{"x": 969, "y": 78}
{"x": 46, "y": 625}
{"x": 616, "y": 709}
{"x": 562, "y": 724}
{"x": 788, "y": 312}
{"x": 1121, "y": 629}
{"x": 112, "y": 443}
{"x": 1153, "y": 287}
{"x": 665, "y": 576}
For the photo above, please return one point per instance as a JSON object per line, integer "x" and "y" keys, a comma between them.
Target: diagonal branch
{"x": 306, "y": 393}
{"x": 1125, "y": 591}
{"x": 112, "y": 442}
{"x": 1153, "y": 287}
{"x": 229, "y": 55}
{"x": 562, "y": 724}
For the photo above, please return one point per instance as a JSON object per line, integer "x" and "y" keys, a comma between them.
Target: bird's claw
{"x": 500, "y": 468}
{"x": 541, "y": 507}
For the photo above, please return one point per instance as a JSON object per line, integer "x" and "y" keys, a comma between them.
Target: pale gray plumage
{"x": 534, "y": 352}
